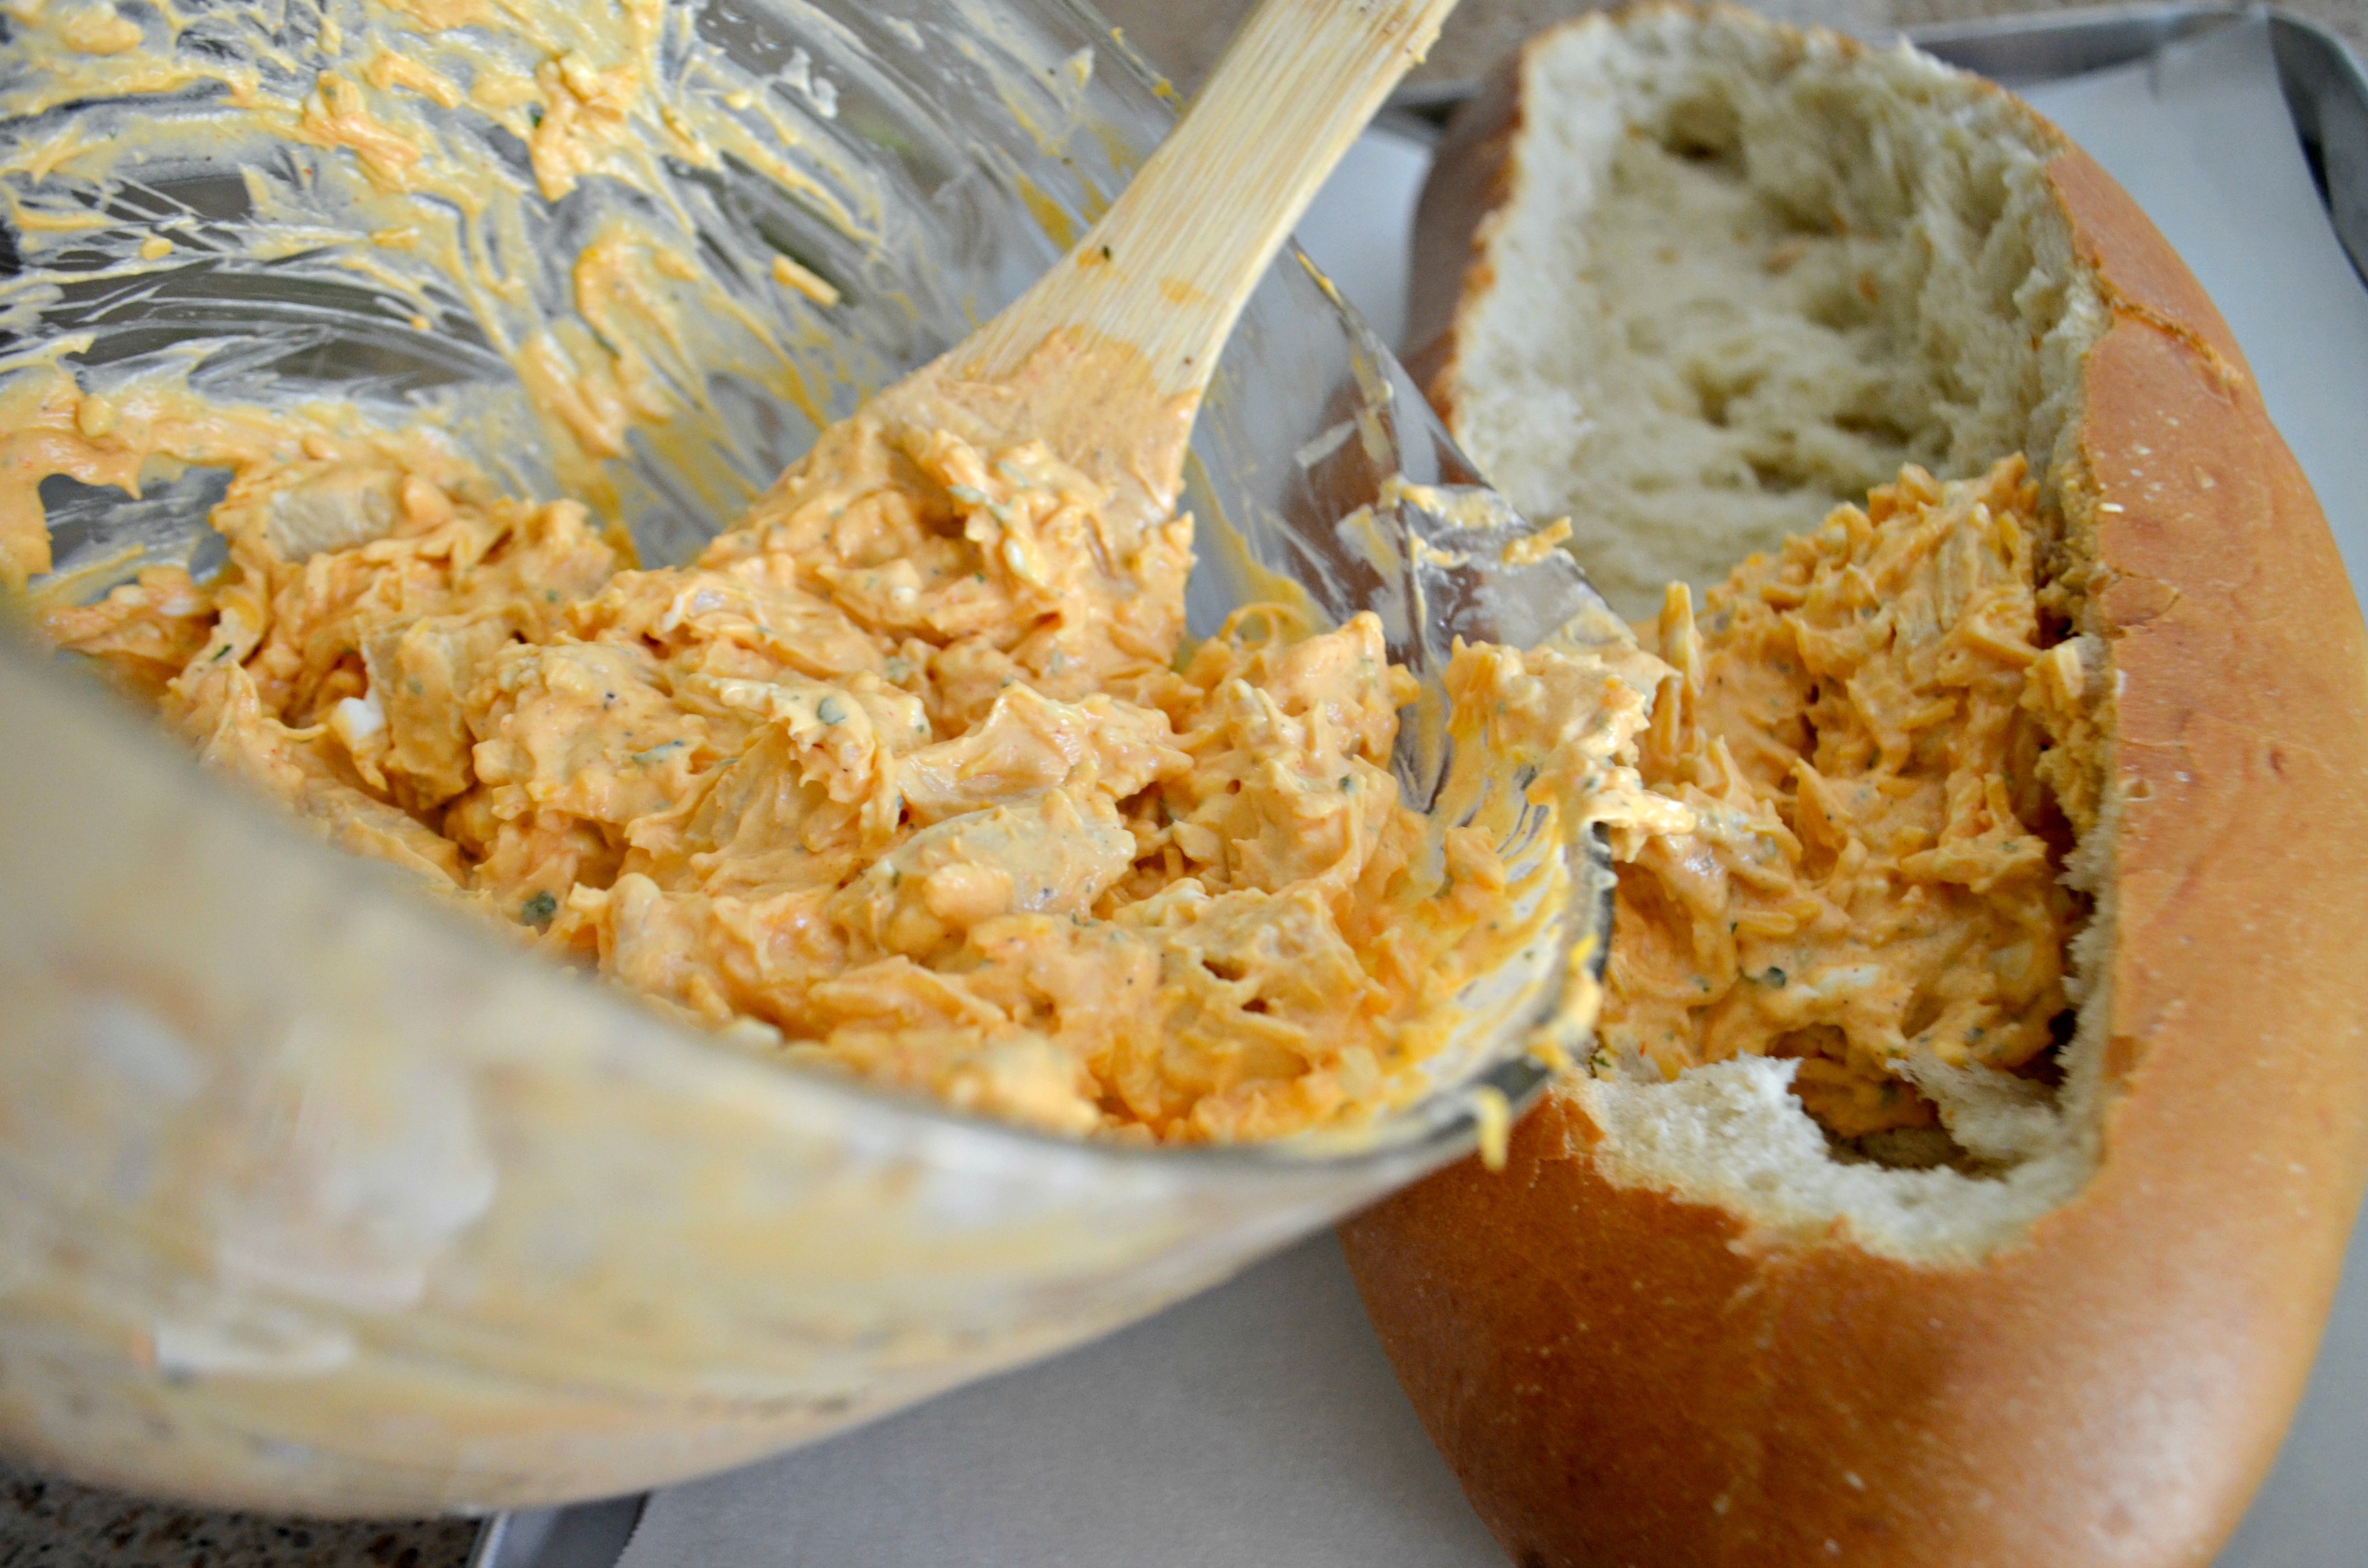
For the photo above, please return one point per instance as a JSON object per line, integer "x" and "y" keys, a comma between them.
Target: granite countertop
{"x": 54, "y": 1524}
{"x": 46, "y": 1523}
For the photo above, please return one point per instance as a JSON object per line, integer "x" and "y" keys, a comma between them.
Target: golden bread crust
{"x": 1619, "y": 1376}
{"x": 1472, "y": 176}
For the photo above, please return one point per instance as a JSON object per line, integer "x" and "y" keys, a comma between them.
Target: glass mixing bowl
{"x": 312, "y": 1198}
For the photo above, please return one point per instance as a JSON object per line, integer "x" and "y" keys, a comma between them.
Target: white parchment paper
{"x": 1260, "y": 1425}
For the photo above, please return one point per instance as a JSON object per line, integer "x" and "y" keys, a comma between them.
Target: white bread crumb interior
{"x": 1737, "y": 285}
{"x": 1739, "y": 279}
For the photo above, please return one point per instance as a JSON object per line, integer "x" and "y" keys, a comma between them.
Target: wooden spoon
{"x": 1106, "y": 357}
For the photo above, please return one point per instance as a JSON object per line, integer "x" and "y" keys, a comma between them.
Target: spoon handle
{"x": 1169, "y": 267}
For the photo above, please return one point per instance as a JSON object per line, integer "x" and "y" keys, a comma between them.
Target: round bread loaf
{"x": 1682, "y": 1326}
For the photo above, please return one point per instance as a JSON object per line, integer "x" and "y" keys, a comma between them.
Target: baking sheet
{"x": 1260, "y": 1424}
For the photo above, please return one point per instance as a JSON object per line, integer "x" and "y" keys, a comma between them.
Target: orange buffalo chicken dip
{"x": 915, "y": 769}
{"x": 917, "y": 772}
{"x": 1875, "y": 744}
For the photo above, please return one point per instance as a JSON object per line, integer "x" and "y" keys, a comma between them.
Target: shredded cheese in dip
{"x": 913, "y": 769}
{"x": 1871, "y": 739}
{"x": 913, "y": 774}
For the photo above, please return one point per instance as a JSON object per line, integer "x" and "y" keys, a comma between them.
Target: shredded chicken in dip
{"x": 914, "y": 771}
{"x": 1869, "y": 736}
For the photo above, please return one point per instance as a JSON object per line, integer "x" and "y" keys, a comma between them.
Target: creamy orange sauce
{"x": 1871, "y": 743}
{"x": 915, "y": 769}
{"x": 914, "y": 773}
